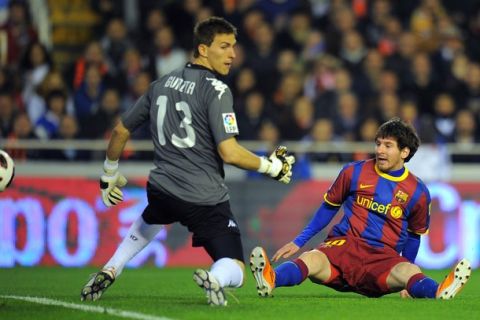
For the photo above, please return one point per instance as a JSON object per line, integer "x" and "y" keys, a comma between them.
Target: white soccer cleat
{"x": 97, "y": 284}
{"x": 262, "y": 272}
{"x": 455, "y": 280}
{"x": 213, "y": 290}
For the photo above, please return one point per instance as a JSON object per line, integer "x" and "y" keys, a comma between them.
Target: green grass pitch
{"x": 171, "y": 294}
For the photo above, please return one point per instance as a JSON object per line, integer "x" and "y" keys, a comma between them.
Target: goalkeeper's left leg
{"x": 138, "y": 237}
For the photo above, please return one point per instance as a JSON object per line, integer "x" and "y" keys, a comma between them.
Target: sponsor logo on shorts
{"x": 232, "y": 224}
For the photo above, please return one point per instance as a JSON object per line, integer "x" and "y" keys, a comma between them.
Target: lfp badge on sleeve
{"x": 230, "y": 123}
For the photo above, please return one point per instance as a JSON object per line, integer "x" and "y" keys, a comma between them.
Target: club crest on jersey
{"x": 229, "y": 122}
{"x": 218, "y": 86}
{"x": 401, "y": 196}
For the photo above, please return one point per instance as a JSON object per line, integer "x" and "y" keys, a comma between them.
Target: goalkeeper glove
{"x": 278, "y": 165}
{"x": 110, "y": 182}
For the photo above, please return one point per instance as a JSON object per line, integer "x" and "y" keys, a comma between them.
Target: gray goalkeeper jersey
{"x": 190, "y": 113}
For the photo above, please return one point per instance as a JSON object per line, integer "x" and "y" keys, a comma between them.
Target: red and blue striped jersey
{"x": 378, "y": 207}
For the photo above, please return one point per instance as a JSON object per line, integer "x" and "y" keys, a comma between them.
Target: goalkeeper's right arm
{"x": 277, "y": 166}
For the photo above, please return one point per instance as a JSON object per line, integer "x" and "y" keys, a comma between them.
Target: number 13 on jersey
{"x": 185, "y": 124}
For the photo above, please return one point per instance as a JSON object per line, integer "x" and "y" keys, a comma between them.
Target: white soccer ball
{"x": 7, "y": 170}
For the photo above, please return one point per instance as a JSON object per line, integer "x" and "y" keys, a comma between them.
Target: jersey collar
{"x": 390, "y": 177}
{"x": 200, "y": 67}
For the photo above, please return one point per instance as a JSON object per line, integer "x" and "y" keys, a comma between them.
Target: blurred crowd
{"x": 310, "y": 71}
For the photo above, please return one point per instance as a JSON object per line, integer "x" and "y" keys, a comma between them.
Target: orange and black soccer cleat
{"x": 262, "y": 272}
{"x": 455, "y": 280}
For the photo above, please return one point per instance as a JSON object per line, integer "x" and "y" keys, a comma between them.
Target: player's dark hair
{"x": 403, "y": 132}
{"x": 206, "y": 30}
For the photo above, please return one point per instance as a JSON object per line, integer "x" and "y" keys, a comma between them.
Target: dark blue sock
{"x": 419, "y": 286}
{"x": 288, "y": 274}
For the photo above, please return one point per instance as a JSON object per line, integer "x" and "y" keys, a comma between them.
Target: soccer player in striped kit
{"x": 372, "y": 250}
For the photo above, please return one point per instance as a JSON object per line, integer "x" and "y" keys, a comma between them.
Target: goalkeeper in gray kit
{"x": 193, "y": 128}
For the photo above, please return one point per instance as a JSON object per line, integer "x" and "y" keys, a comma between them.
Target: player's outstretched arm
{"x": 286, "y": 251}
{"x": 278, "y": 165}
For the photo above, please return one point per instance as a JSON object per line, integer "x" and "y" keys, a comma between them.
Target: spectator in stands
{"x": 88, "y": 95}
{"x": 36, "y": 63}
{"x": 107, "y": 10}
{"x": 353, "y": 51}
{"x": 388, "y": 42}
{"x": 269, "y": 134}
{"x": 423, "y": 82}
{"x": 36, "y": 106}
{"x": 252, "y": 115}
{"x": 423, "y": 24}
{"x": 314, "y": 46}
{"x": 166, "y": 56}
{"x": 68, "y": 130}
{"x": 473, "y": 29}
{"x": 409, "y": 113}
{"x": 155, "y": 20}
{"x": 253, "y": 18}
{"x": 388, "y": 107}
{"x": 296, "y": 34}
{"x": 136, "y": 89}
{"x": 8, "y": 110}
{"x": 289, "y": 89}
{"x": 400, "y": 61}
{"x": 366, "y": 133}
{"x": 450, "y": 46}
{"x": 115, "y": 44}
{"x": 301, "y": 120}
{"x": 262, "y": 57}
{"x": 101, "y": 121}
{"x": 323, "y": 132}
{"x": 287, "y": 61}
{"x": 320, "y": 76}
{"x": 131, "y": 67}
{"x": 22, "y": 129}
{"x": 444, "y": 118}
{"x": 466, "y": 135}
{"x": 47, "y": 126}
{"x": 346, "y": 119}
{"x": 326, "y": 102}
{"x": 245, "y": 82}
{"x": 16, "y": 33}
{"x": 472, "y": 100}
{"x": 93, "y": 56}
{"x": 456, "y": 77}
{"x": 342, "y": 20}
{"x": 389, "y": 82}
{"x": 379, "y": 15}
{"x": 368, "y": 79}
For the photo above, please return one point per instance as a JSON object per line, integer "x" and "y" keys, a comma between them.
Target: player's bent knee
{"x": 317, "y": 263}
{"x": 401, "y": 273}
